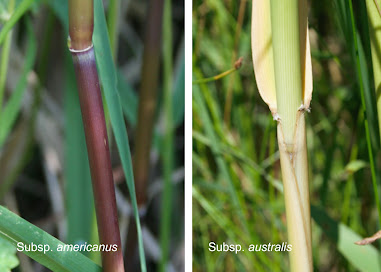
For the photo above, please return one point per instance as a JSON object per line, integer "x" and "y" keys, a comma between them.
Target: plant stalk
{"x": 374, "y": 23}
{"x": 146, "y": 117}
{"x": 81, "y": 31}
{"x": 168, "y": 149}
{"x": 147, "y": 98}
{"x": 5, "y": 57}
{"x": 291, "y": 130}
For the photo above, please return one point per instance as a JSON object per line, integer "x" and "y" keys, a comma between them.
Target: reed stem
{"x": 167, "y": 154}
{"x": 81, "y": 21}
{"x": 147, "y": 98}
{"x": 374, "y": 23}
{"x": 146, "y": 117}
{"x": 5, "y": 57}
{"x": 291, "y": 129}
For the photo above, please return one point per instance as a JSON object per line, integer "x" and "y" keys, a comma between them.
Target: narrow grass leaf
{"x": 12, "y": 108}
{"x": 178, "y": 92}
{"x": 20, "y": 232}
{"x": 371, "y": 129}
{"x": 231, "y": 230}
{"x": 223, "y": 168}
{"x": 128, "y": 99}
{"x": 374, "y": 21}
{"x": 19, "y": 11}
{"x": 4, "y": 57}
{"x": 108, "y": 78}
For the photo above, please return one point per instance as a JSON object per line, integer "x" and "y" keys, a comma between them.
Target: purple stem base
{"x": 99, "y": 157}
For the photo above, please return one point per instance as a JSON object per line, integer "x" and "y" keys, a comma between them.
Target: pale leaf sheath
{"x": 296, "y": 194}
{"x": 263, "y": 55}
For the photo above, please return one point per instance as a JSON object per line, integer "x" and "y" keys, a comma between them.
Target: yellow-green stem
{"x": 291, "y": 129}
{"x": 374, "y": 19}
{"x": 5, "y": 57}
{"x": 285, "y": 29}
{"x": 81, "y": 24}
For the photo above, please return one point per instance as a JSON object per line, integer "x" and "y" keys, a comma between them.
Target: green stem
{"x": 166, "y": 210}
{"x": 377, "y": 76}
{"x": 16, "y": 15}
{"x": 291, "y": 129}
{"x": 148, "y": 97}
{"x": 146, "y": 117}
{"x": 237, "y": 65}
{"x": 5, "y": 57}
{"x": 285, "y": 29}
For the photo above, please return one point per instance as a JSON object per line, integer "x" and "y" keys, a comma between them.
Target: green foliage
{"x": 36, "y": 76}
{"x": 245, "y": 142}
{"x": 8, "y": 259}
{"x": 363, "y": 258}
{"x": 17, "y": 230}
{"x": 10, "y": 111}
{"x": 108, "y": 78}
{"x": 20, "y": 10}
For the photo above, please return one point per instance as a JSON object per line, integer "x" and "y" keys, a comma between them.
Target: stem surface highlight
{"x": 291, "y": 129}
{"x": 99, "y": 157}
{"x": 81, "y": 21}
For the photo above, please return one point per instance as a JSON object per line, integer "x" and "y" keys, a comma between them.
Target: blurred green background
{"x": 44, "y": 173}
{"x": 237, "y": 189}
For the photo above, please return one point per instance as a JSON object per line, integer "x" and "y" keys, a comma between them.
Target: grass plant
{"x": 343, "y": 203}
{"x": 279, "y": 30}
{"x": 81, "y": 22}
{"x": 50, "y": 181}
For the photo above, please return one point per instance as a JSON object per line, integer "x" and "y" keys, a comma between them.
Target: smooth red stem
{"x": 99, "y": 157}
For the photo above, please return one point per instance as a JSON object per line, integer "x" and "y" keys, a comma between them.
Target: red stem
{"x": 99, "y": 157}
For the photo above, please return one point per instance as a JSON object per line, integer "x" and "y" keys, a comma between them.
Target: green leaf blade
{"x": 107, "y": 73}
{"x": 17, "y": 230}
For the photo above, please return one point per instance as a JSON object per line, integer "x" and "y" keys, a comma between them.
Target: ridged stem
{"x": 285, "y": 29}
{"x": 291, "y": 130}
{"x": 374, "y": 22}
